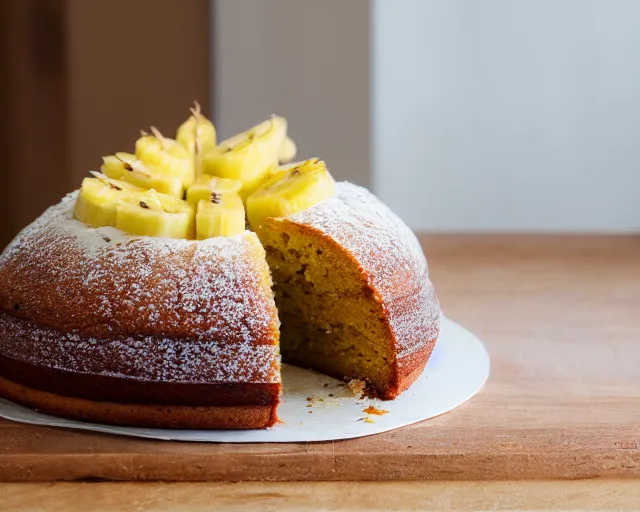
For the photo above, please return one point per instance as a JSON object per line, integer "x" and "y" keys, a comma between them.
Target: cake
{"x": 102, "y": 326}
{"x": 353, "y": 291}
{"x": 129, "y": 326}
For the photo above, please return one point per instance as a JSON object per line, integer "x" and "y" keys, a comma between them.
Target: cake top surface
{"x": 103, "y": 284}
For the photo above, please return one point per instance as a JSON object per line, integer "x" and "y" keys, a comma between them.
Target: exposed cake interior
{"x": 330, "y": 321}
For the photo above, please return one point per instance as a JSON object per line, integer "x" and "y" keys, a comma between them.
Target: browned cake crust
{"x": 231, "y": 417}
{"x": 109, "y": 369}
{"x": 409, "y": 368}
{"x": 105, "y": 388}
{"x": 85, "y": 394}
{"x": 408, "y": 303}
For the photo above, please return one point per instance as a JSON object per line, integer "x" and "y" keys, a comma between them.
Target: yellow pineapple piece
{"x": 126, "y": 167}
{"x": 165, "y": 156}
{"x": 287, "y": 151}
{"x": 248, "y": 156}
{"x": 272, "y": 133}
{"x": 198, "y": 135}
{"x": 222, "y": 214}
{"x": 206, "y": 184}
{"x": 98, "y": 198}
{"x": 150, "y": 213}
{"x": 292, "y": 189}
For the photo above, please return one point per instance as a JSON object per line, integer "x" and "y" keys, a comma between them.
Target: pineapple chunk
{"x": 206, "y": 184}
{"x": 166, "y": 156}
{"x": 126, "y": 167}
{"x": 292, "y": 189}
{"x": 221, "y": 215}
{"x": 98, "y": 199}
{"x": 150, "y": 213}
{"x": 198, "y": 135}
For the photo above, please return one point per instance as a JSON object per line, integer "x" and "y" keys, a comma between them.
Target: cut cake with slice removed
{"x": 353, "y": 291}
{"x": 102, "y": 326}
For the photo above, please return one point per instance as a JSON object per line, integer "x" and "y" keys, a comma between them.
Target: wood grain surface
{"x": 322, "y": 496}
{"x": 560, "y": 317}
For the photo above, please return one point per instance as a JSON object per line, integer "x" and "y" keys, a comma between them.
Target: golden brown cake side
{"x": 96, "y": 304}
{"x": 232, "y": 417}
{"x": 378, "y": 282}
{"x": 102, "y": 282}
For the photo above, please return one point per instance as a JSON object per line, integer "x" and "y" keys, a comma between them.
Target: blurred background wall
{"x": 508, "y": 115}
{"x": 463, "y": 115}
{"x": 306, "y": 60}
{"x": 80, "y": 78}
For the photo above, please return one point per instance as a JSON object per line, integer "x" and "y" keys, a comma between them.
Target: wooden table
{"x": 560, "y": 316}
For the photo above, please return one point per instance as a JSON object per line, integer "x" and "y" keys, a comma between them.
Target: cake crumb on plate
{"x": 373, "y": 410}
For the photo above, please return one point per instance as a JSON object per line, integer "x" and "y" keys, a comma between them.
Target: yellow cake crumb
{"x": 357, "y": 387}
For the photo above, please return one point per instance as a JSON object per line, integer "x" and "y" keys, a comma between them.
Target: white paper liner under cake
{"x": 318, "y": 408}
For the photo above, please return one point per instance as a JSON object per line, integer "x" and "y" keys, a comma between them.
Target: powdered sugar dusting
{"x": 103, "y": 284}
{"x": 101, "y": 301}
{"x": 141, "y": 358}
{"x": 390, "y": 256}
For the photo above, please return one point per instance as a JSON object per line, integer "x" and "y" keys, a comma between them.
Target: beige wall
{"x": 33, "y": 106}
{"x": 132, "y": 63}
{"x": 308, "y": 61}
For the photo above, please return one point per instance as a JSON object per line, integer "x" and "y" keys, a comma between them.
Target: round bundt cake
{"x": 143, "y": 299}
{"x": 353, "y": 291}
{"x": 107, "y": 327}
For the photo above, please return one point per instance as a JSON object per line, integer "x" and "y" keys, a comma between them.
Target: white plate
{"x": 456, "y": 371}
